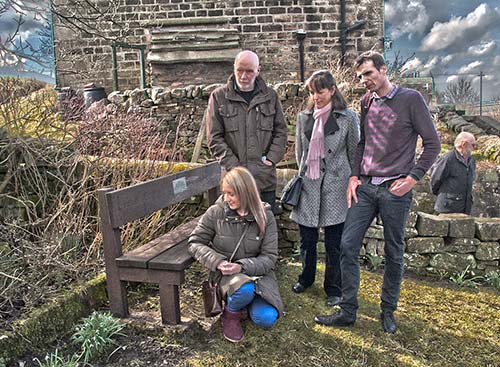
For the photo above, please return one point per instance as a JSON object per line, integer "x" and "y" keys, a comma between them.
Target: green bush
{"x": 375, "y": 262}
{"x": 55, "y": 360}
{"x": 493, "y": 278}
{"x": 96, "y": 333}
{"x": 466, "y": 278}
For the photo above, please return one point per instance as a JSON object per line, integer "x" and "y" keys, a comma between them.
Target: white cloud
{"x": 461, "y": 31}
{"x": 483, "y": 49}
{"x": 7, "y": 59}
{"x": 406, "y": 17}
{"x": 432, "y": 63}
{"x": 451, "y": 79}
{"x": 471, "y": 68}
{"x": 448, "y": 58}
{"x": 414, "y": 64}
{"x": 31, "y": 21}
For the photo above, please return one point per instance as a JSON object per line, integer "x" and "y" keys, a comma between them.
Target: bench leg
{"x": 169, "y": 304}
{"x": 117, "y": 294}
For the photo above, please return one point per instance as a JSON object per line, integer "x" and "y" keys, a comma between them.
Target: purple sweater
{"x": 389, "y": 137}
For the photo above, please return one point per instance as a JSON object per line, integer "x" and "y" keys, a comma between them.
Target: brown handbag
{"x": 212, "y": 298}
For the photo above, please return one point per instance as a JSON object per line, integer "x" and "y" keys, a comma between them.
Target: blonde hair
{"x": 242, "y": 182}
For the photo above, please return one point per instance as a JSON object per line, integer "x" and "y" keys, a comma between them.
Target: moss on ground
{"x": 52, "y": 320}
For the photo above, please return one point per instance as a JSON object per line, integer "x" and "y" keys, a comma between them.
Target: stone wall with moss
{"x": 181, "y": 110}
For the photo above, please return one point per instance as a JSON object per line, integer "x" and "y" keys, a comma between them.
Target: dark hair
{"x": 377, "y": 58}
{"x": 322, "y": 79}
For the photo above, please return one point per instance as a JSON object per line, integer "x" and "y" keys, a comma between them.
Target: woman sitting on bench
{"x": 247, "y": 283}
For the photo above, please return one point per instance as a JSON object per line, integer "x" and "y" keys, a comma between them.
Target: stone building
{"x": 194, "y": 41}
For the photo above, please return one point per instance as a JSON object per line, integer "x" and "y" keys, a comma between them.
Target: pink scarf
{"x": 317, "y": 144}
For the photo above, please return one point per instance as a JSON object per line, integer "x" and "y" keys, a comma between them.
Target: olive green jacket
{"x": 240, "y": 134}
{"x": 215, "y": 238}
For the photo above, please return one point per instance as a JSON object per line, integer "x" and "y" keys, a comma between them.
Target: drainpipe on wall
{"x": 344, "y": 30}
{"x": 301, "y": 36}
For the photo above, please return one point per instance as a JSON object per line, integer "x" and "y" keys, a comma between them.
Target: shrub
{"x": 55, "y": 360}
{"x": 374, "y": 261}
{"x": 95, "y": 335}
{"x": 466, "y": 278}
{"x": 493, "y": 278}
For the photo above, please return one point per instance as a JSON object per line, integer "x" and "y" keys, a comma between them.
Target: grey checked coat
{"x": 323, "y": 201}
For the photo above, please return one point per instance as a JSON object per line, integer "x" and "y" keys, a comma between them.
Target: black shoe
{"x": 298, "y": 288}
{"x": 337, "y": 319}
{"x": 388, "y": 322}
{"x": 332, "y": 301}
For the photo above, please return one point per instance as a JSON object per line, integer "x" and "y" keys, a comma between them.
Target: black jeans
{"x": 308, "y": 253}
{"x": 393, "y": 210}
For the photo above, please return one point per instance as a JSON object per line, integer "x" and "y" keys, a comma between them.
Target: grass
{"x": 438, "y": 325}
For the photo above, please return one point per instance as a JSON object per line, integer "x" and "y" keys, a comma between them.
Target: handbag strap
{"x": 238, "y": 244}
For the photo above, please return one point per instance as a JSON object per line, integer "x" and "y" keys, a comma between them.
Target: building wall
{"x": 268, "y": 27}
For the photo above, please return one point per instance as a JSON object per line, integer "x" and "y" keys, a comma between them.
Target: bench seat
{"x": 167, "y": 252}
{"x": 163, "y": 260}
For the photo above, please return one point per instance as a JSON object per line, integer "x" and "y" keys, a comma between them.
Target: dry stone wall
{"x": 433, "y": 244}
{"x": 181, "y": 109}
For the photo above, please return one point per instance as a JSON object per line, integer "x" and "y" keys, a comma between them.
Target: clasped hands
{"x": 227, "y": 268}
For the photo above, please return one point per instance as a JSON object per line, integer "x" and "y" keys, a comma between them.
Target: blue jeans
{"x": 261, "y": 312}
{"x": 308, "y": 254}
{"x": 393, "y": 210}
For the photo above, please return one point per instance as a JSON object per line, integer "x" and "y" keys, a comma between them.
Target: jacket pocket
{"x": 453, "y": 197}
{"x": 452, "y": 201}
{"x": 266, "y": 117}
{"x": 230, "y": 116}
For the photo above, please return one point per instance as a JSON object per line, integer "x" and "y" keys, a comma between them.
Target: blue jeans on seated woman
{"x": 261, "y": 312}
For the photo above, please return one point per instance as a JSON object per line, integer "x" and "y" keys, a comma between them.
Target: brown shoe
{"x": 231, "y": 325}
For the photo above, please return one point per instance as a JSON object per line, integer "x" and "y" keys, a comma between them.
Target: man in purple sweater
{"x": 381, "y": 183}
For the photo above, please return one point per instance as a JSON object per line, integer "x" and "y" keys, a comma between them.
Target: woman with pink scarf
{"x": 327, "y": 133}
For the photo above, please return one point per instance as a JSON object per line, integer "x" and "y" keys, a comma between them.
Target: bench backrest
{"x": 134, "y": 202}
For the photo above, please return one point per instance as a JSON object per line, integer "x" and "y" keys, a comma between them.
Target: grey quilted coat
{"x": 215, "y": 238}
{"x": 323, "y": 201}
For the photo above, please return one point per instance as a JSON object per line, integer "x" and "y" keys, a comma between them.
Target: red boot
{"x": 231, "y": 325}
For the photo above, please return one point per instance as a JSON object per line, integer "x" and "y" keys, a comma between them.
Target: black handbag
{"x": 212, "y": 298}
{"x": 291, "y": 192}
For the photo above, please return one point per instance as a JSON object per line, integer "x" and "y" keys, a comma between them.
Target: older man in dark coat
{"x": 452, "y": 177}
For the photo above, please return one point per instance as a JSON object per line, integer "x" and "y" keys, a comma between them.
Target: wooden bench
{"x": 164, "y": 259}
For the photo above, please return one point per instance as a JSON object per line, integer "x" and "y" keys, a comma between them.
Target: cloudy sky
{"x": 450, "y": 39}
{"x": 24, "y": 32}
